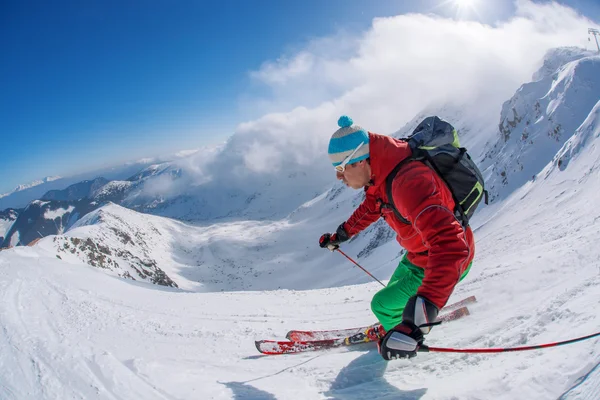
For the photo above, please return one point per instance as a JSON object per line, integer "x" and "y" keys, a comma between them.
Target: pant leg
{"x": 466, "y": 271}
{"x": 388, "y": 304}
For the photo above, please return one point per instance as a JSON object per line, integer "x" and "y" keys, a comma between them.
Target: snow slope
{"x": 71, "y": 331}
{"x": 7, "y": 218}
{"x": 541, "y": 117}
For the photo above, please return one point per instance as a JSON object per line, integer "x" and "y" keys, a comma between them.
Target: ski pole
{"x": 426, "y": 349}
{"x": 358, "y": 265}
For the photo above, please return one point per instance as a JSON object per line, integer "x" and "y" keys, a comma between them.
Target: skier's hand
{"x": 332, "y": 241}
{"x": 404, "y": 340}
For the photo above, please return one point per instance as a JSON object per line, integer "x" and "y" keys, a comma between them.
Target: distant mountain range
{"x": 547, "y": 121}
{"x": 26, "y": 186}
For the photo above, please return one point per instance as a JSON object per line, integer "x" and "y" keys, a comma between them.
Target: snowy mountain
{"x": 217, "y": 186}
{"x": 78, "y": 191}
{"x": 536, "y": 278}
{"x": 42, "y": 218}
{"x": 24, "y": 194}
{"x": 221, "y": 257}
{"x": 30, "y": 185}
{"x": 195, "y": 188}
{"x": 20, "y": 199}
{"x": 81, "y": 317}
{"x": 7, "y": 218}
{"x": 109, "y": 239}
{"x": 541, "y": 117}
{"x": 85, "y": 196}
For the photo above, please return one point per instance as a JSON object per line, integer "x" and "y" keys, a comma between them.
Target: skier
{"x": 439, "y": 250}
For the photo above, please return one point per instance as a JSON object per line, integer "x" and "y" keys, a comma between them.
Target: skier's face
{"x": 355, "y": 175}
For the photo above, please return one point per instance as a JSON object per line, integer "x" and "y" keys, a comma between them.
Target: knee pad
{"x": 420, "y": 311}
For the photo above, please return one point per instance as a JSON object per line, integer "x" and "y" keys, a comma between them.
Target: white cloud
{"x": 402, "y": 64}
{"x": 382, "y": 78}
{"x": 284, "y": 69}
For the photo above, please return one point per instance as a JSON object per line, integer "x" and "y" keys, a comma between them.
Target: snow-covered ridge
{"x": 540, "y": 118}
{"x": 109, "y": 239}
{"x": 556, "y": 58}
{"x": 21, "y": 198}
{"x": 588, "y": 131}
{"x": 7, "y": 218}
{"x": 159, "y": 250}
{"x": 20, "y": 188}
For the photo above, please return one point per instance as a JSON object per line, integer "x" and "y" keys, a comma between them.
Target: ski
{"x": 299, "y": 335}
{"x": 459, "y": 304}
{"x": 273, "y": 347}
{"x": 454, "y": 315}
{"x": 368, "y": 334}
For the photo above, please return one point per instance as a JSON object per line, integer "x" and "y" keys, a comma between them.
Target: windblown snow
{"x": 80, "y": 317}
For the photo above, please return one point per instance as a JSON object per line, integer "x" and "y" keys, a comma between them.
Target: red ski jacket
{"x": 435, "y": 239}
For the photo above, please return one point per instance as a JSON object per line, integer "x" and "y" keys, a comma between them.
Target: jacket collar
{"x": 385, "y": 153}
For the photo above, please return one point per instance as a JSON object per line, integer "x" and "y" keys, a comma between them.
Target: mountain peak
{"x": 541, "y": 117}
{"x": 557, "y": 57}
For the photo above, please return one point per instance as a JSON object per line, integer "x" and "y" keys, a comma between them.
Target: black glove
{"x": 403, "y": 340}
{"x": 332, "y": 241}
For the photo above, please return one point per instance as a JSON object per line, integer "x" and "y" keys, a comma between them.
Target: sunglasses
{"x": 342, "y": 167}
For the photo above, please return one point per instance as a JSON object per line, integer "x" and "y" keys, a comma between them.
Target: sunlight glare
{"x": 465, "y": 8}
{"x": 465, "y": 3}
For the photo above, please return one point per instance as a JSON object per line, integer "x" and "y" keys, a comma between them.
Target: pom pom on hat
{"x": 345, "y": 121}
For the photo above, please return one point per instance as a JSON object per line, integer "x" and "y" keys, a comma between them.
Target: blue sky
{"x": 89, "y": 83}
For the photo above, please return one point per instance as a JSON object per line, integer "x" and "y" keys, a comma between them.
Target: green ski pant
{"x": 388, "y": 304}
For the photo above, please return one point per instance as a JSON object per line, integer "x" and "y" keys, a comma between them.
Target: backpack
{"x": 435, "y": 142}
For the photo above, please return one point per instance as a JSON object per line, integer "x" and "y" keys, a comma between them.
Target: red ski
{"x": 297, "y": 335}
{"x": 367, "y": 334}
{"x": 459, "y": 304}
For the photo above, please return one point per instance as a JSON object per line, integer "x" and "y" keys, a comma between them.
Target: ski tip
{"x": 272, "y": 347}
{"x": 287, "y": 335}
{"x": 258, "y": 343}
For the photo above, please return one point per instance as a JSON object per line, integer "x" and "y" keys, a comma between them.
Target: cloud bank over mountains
{"x": 384, "y": 76}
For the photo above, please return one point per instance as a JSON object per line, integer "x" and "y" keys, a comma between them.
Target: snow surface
{"x": 73, "y": 332}
{"x": 14, "y": 239}
{"x": 5, "y": 225}
{"x": 68, "y": 330}
{"x": 538, "y": 121}
{"x": 58, "y": 213}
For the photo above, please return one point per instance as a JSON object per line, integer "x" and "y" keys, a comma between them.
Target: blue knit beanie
{"x": 345, "y": 140}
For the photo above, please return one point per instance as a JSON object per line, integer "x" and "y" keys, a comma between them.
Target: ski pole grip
{"x": 429, "y": 325}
